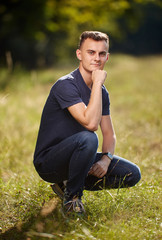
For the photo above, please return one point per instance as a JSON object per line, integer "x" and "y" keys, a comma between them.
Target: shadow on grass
{"x": 48, "y": 219}
{"x": 18, "y": 234}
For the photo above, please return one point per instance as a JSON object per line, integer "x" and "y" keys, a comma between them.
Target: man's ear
{"x": 107, "y": 57}
{"x": 78, "y": 54}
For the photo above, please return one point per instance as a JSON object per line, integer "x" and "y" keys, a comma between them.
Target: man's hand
{"x": 99, "y": 169}
{"x": 99, "y": 76}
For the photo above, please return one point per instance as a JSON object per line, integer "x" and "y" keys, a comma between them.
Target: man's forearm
{"x": 93, "y": 111}
{"x": 108, "y": 144}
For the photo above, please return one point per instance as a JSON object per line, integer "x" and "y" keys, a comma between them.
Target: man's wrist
{"x": 108, "y": 154}
{"x": 97, "y": 83}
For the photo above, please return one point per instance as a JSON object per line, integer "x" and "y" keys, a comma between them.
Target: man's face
{"x": 93, "y": 55}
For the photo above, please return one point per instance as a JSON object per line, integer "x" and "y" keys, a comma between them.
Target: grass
{"x": 28, "y": 208}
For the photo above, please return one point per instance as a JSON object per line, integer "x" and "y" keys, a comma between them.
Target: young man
{"x": 66, "y": 149}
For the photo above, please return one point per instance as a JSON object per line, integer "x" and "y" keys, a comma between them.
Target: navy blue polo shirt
{"x": 56, "y": 121}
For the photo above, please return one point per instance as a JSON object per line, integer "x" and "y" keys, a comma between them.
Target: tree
{"x": 40, "y": 32}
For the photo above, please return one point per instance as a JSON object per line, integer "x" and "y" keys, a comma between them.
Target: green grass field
{"x": 29, "y": 210}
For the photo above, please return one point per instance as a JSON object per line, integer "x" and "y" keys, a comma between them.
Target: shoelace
{"x": 76, "y": 205}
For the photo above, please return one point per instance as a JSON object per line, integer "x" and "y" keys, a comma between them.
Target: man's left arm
{"x": 100, "y": 168}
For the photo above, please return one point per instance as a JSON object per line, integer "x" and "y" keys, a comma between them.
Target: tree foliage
{"x": 40, "y": 32}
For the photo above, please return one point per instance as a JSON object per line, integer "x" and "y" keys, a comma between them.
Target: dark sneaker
{"x": 74, "y": 205}
{"x": 58, "y": 188}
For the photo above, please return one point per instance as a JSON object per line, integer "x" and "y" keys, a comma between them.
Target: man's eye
{"x": 103, "y": 54}
{"x": 91, "y": 52}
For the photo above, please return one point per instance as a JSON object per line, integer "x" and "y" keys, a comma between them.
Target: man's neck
{"x": 87, "y": 77}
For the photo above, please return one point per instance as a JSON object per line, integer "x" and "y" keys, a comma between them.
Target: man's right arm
{"x": 90, "y": 116}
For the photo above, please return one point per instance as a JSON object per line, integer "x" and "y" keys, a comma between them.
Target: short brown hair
{"x": 97, "y": 36}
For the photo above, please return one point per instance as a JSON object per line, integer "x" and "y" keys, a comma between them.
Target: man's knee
{"x": 136, "y": 176}
{"x": 88, "y": 140}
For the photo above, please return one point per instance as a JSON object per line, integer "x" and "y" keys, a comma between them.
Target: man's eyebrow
{"x": 90, "y": 50}
{"x": 103, "y": 52}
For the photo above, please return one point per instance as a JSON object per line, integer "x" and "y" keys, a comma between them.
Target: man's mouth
{"x": 96, "y": 64}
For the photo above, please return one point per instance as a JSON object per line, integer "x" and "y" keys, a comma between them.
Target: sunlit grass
{"x": 136, "y": 107}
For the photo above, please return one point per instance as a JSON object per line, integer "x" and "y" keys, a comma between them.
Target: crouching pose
{"x": 66, "y": 150}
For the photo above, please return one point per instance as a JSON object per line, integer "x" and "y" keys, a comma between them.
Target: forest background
{"x": 41, "y": 33}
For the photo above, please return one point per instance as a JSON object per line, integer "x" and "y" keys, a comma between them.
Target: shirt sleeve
{"x": 105, "y": 102}
{"x": 66, "y": 93}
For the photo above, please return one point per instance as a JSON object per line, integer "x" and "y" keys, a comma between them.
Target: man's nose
{"x": 97, "y": 57}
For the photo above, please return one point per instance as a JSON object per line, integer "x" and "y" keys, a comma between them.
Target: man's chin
{"x": 93, "y": 68}
{"x": 96, "y": 68}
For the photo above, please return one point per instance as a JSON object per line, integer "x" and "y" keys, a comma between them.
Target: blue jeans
{"x": 72, "y": 159}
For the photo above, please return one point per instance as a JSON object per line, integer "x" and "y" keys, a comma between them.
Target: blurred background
{"x": 43, "y": 33}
